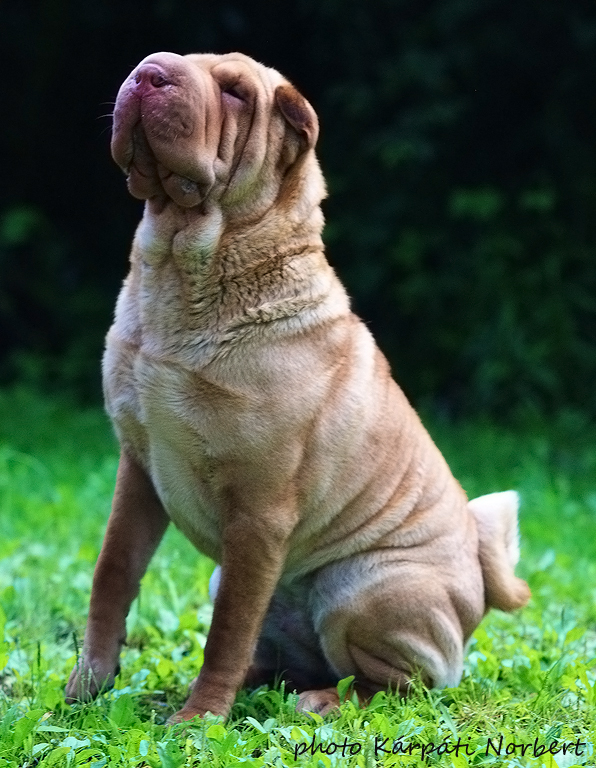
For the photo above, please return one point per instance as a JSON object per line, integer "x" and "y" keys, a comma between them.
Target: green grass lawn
{"x": 530, "y": 678}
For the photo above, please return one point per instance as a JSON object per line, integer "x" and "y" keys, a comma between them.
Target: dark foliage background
{"x": 458, "y": 140}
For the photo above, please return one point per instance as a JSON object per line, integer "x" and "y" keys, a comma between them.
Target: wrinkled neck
{"x": 229, "y": 240}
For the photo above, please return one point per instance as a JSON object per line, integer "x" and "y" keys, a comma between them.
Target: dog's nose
{"x": 149, "y": 76}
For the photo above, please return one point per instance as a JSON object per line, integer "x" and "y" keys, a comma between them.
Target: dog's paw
{"x": 87, "y": 680}
{"x": 321, "y": 702}
{"x": 183, "y": 715}
{"x": 199, "y": 706}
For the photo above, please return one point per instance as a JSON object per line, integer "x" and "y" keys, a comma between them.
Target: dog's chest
{"x": 169, "y": 433}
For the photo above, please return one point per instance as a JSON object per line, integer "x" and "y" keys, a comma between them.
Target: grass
{"x": 529, "y": 679}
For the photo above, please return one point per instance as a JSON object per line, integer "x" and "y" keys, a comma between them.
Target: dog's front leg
{"x": 135, "y": 528}
{"x": 254, "y": 551}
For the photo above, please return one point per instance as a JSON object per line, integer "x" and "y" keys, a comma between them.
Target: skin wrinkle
{"x": 240, "y": 152}
{"x": 225, "y": 140}
{"x": 232, "y": 293}
{"x": 368, "y": 528}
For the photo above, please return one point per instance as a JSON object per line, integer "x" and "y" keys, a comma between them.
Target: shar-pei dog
{"x": 255, "y": 412}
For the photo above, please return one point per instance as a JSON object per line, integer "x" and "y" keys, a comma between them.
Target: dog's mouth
{"x": 157, "y": 134}
{"x": 148, "y": 178}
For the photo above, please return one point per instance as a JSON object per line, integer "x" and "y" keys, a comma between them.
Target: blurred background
{"x": 458, "y": 141}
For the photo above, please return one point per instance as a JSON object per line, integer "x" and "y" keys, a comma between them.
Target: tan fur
{"x": 496, "y": 518}
{"x": 255, "y": 410}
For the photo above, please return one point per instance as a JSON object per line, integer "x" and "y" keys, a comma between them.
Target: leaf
{"x": 447, "y": 719}
{"x": 343, "y": 687}
{"x": 256, "y": 724}
{"x": 55, "y": 755}
{"x": 22, "y": 729}
{"x": 73, "y": 743}
{"x": 170, "y": 754}
{"x": 122, "y": 711}
{"x": 217, "y": 732}
{"x": 574, "y": 634}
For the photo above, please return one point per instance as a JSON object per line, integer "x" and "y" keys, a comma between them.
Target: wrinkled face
{"x": 205, "y": 127}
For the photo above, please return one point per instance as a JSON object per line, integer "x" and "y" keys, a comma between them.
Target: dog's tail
{"x": 496, "y": 518}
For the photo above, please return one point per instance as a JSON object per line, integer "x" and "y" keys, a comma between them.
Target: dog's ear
{"x": 299, "y": 114}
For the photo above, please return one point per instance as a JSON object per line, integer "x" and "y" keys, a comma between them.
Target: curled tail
{"x": 496, "y": 518}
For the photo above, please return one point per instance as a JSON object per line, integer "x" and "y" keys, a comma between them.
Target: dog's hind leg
{"x": 391, "y": 624}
